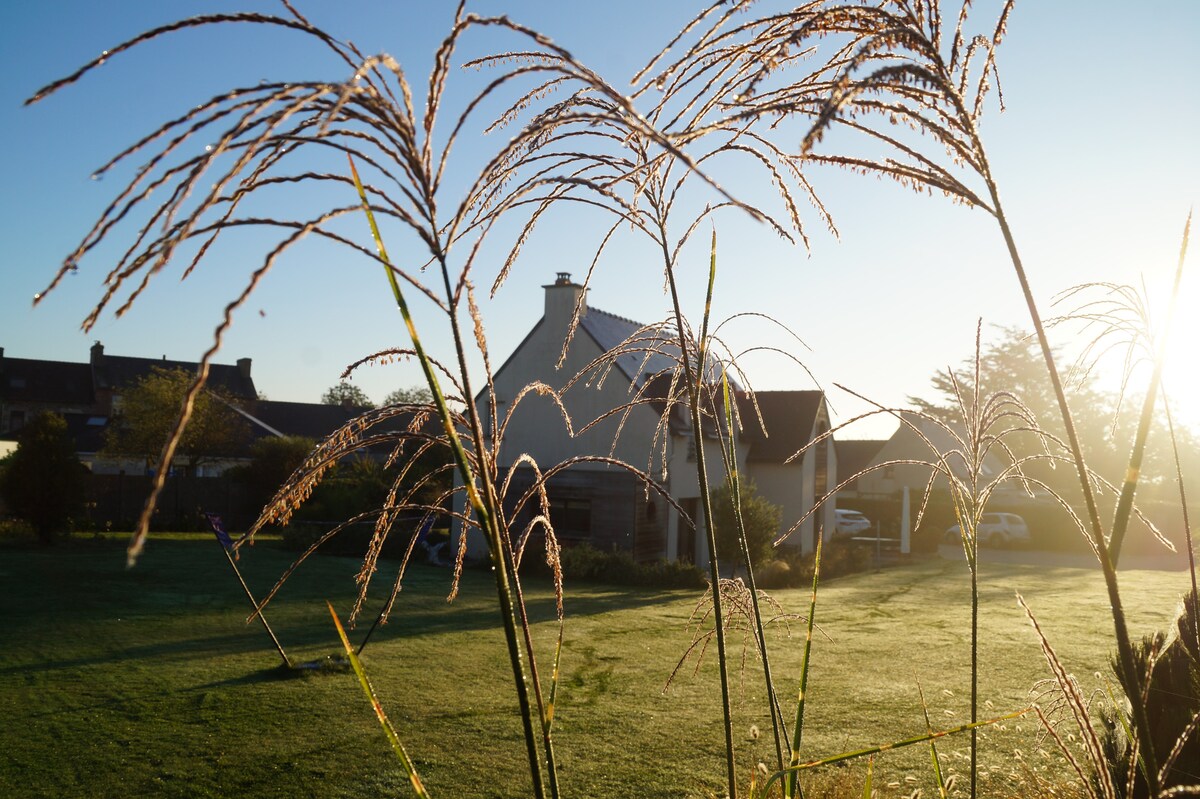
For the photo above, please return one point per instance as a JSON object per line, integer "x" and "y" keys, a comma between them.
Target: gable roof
{"x": 649, "y": 351}
{"x": 788, "y": 417}
{"x": 121, "y": 371}
{"x": 854, "y": 455}
{"x": 907, "y": 443}
{"x": 306, "y": 419}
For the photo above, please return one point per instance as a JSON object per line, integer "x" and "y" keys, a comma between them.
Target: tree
{"x": 413, "y": 395}
{"x": 760, "y": 518}
{"x": 272, "y": 461}
{"x": 42, "y": 482}
{"x": 148, "y": 412}
{"x": 1014, "y": 363}
{"x": 347, "y": 394}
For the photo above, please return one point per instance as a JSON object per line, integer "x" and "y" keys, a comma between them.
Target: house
{"x": 903, "y": 460}
{"x": 88, "y": 395}
{"x": 855, "y": 456}
{"x": 621, "y": 409}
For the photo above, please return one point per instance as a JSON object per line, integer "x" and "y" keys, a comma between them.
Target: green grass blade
{"x": 503, "y": 567}
{"x": 867, "y": 784}
{"x": 793, "y": 783}
{"x": 935, "y": 761}
{"x": 388, "y": 729}
{"x": 874, "y": 750}
{"x": 548, "y": 719}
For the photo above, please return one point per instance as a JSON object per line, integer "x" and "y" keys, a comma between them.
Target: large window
{"x": 572, "y": 518}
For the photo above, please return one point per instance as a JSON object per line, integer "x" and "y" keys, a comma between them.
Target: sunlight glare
{"x": 1181, "y": 375}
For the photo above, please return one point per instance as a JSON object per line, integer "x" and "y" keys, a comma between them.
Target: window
{"x": 16, "y": 420}
{"x": 691, "y": 449}
{"x": 572, "y": 518}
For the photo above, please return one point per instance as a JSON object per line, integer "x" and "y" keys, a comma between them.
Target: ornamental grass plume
{"x": 898, "y": 86}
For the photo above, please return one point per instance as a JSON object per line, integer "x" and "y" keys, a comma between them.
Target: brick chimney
{"x": 561, "y": 298}
{"x": 97, "y": 354}
{"x": 243, "y": 365}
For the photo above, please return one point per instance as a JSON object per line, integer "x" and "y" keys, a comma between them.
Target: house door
{"x": 685, "y": 535}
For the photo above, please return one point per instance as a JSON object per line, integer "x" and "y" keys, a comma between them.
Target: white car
{"x": 851, "y": 522}
{"x": 996, "y": 530}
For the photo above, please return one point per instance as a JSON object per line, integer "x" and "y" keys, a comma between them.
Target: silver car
{"x": 996, "y": 530}
{"x": 851, "y": 522}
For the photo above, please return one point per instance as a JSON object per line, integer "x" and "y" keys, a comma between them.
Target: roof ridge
{"x": 757, "y": 392}
{"x": 614, "y": 316}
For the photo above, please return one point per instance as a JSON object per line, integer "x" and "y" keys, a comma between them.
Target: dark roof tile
{"x": 36, "y": 381}
{"x": 121, "y": 371}
{"x": 788, "y": 417}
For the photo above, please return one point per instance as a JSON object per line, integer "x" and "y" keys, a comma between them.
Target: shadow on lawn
{"x": 187, "y": 585}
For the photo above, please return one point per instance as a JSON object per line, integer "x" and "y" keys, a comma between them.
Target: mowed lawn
{"x": 147, "y": 682}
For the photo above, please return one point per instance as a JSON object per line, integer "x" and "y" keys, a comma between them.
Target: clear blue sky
{"x": 1096, "y": 157}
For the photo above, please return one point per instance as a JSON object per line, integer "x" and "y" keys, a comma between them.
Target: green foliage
{"x": 1013, "y": 363}
{"x": 839, "y": 558}
{"x": 15, "y": 532}
{"x": 760, "y": 517}
{"x": 347, "y": 394}
{"x": 42, "y": 482}
{"x": 272, "y": 461}
{"x": 353, "y": 487}
{"x": 413, "y": 395}
{"x": 1172, "y": 703}
{"x": 148, "y": 412}
{"x": 588, "y": 564}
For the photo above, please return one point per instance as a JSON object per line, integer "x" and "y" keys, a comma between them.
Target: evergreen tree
{"x": 760, "y": 518}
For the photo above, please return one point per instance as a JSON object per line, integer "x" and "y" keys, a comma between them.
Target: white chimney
{"x": 561, "y": 298}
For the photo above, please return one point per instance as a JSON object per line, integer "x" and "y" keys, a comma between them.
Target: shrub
{"x": 15, "y": 532}
{"x": 42, "y": 481}
{"x": 760, "y": 519}
{"x": 356, "y": 538}
{"x": 1172, "y": 704}
{"x": 793, "y": 570}
{"x": 272, "y": 461}
{"x": 586, "y": 563}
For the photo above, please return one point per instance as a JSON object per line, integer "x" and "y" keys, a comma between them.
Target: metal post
{"x": 261, "y": 616}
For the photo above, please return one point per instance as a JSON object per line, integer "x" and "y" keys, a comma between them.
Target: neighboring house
{"x": 88, "y": 395}
{"x": 304, "y": 419}
{"x": 855, "y": 455}
{"x": 889, "y": 475}
{"x": 791, "y": 420}
{"x": 603, "y": 504}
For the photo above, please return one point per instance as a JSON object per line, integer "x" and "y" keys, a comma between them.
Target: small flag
{"x": 423, "y": 533}
{"x": 218, "y": 529}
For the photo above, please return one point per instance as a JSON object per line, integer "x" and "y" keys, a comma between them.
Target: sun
{"x": 1181, "y": 373}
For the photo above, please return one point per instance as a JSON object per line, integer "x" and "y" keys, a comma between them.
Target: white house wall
{"x": 536, "y": 426}
{"x": 683, "y": 482}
